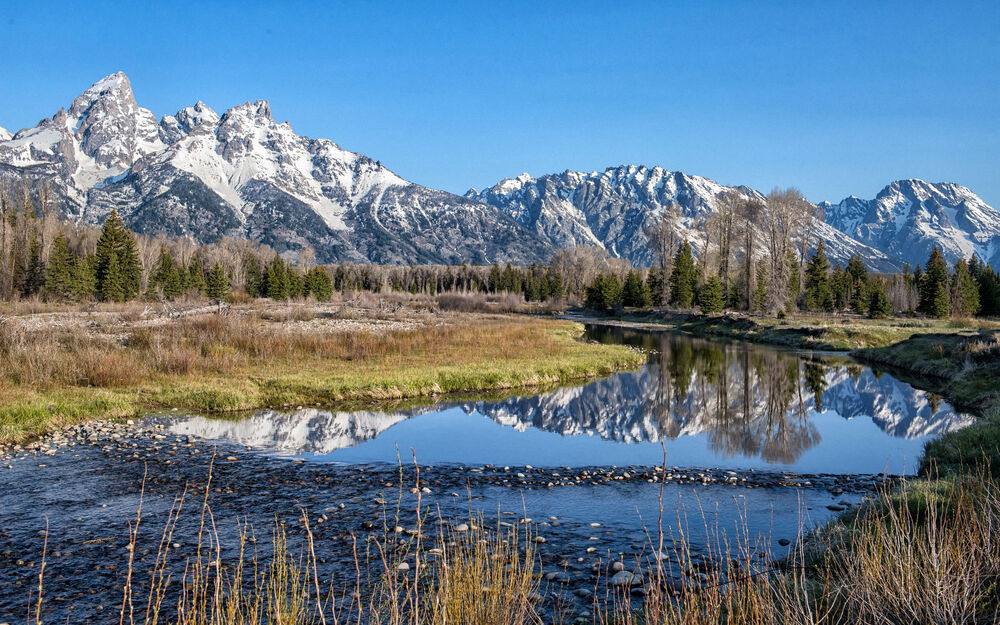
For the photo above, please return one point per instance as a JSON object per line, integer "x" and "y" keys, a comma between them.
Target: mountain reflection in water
{"x": 746, "y": 401}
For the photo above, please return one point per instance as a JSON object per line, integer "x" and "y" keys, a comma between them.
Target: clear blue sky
{"x": 835, "y": 98}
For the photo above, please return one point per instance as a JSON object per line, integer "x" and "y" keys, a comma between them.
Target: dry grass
{"x": 219, "y": 362}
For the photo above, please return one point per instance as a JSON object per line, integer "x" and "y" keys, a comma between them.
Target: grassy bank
{"x": 828, "y": 333}
{"x": 54, "y": 376}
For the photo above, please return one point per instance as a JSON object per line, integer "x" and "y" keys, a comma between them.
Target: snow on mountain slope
{"x": 909, "y": 217}
{"x": 5, "y": 135}
{"x": 614, "y": 209}
{"x": 242, "y": 174}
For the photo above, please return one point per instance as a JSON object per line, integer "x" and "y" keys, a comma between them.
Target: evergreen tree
{"x": 860, "y": 297}
{"x": 60, "y": 272}
{"x": 86, "y": 277}
{"x": 818, "y": 294}
{"x": 277, "y": 279}
{"x": 989, "y": 292}
{"x": 635, "y": 291}
{"x": 318, "y": 284}
{"x": 164, "y": 280}
{"x": 710, "y": 298}
{"x": 604, "y": 293}
{"x": 175, "y": 283}
{"x": 654, "y": 284}
{"x": 941, "y": 306}
{"x": 683, "y": 278}
{"x": 839, "y": 286}
{"x": 878, "y": 305}
{"x": 297, "y": 285}
{"x": 33, "y": 278}
{"x": 131, "y": 266}
{"x": 255, "y": 279}
{"x": 856, "y": 269}
{"x": 217, "y": 284}
{"x": 112, "y": 288}
{"x": 195, "y": 279}
{"x": 118, "y": 272}
{"x": 934, "y": 300}
{"x": 964, "y": 292}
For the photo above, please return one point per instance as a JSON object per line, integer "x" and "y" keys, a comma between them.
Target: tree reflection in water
{"x": 752, "y": 400}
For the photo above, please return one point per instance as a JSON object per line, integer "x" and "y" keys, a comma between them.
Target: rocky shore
{"x": 85, "y": 482}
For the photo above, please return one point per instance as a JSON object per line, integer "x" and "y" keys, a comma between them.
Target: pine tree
{"x": 318, "y": 284}
{"x": 255, "y": 278}
{"x": 604, "y": 293}
{"x": 195, "y": 279}
{"x": 277, "y": 279}
{"x": 131, "y": 266}
{"x": 175, "y": 283}
{"x": 878, "y": 305}
{"x": 654, "y": 284}
{"x": 818, "y": 295}
{"x": 60, "y": 272}
{"x": 964, "y": 292}
{"x": 934, "y": 287}
{"x": 86, "y": 277}
{"x": 112, "y": 289}
{"x": 635, "y": 291}
{"x": 217, "y": 284}
{"x": 710, "y": 298}
{"x": 989, "y": 292}
{"x": 683, "y": 278}
{"x": 297, "y": 286}
{"x": 860, "y": 297}
{"x": 839, "y": 286}
{"x": 118, "y": 272}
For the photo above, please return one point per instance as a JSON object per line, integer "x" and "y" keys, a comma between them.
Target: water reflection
{"x": 740, "y": 400}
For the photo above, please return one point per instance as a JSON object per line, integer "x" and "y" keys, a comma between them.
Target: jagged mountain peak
{"x": 614, "y": 209}
{"x": 197, "y": 174}
{"x": 187, "y": 120}
{"x": 5, "y": 135}
{"x": 909, "y": 217}
{"x": 116, "y": 87}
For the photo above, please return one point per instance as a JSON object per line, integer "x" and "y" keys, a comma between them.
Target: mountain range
{"x": 242, "y": 174}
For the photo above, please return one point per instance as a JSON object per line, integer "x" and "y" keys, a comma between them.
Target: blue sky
{"x": 834, "y": 98}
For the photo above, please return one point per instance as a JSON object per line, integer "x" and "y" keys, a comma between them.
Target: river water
{"x": 758, "y": 438}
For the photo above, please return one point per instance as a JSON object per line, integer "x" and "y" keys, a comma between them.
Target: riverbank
{"x": 67, "y": 367}
{"x": 824, "y": 333}
{"x": 965, "y": 370}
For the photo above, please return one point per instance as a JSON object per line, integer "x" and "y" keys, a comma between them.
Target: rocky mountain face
{"x": 613, "y": 209}
{"x": 909, "y": 218}
{"x": 242, "y": 174}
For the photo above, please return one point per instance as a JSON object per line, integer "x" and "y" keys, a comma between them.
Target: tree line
{"x": 44, "y": 256}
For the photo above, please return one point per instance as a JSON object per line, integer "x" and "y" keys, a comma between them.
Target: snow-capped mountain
{"x": 613, "y": 209}
{"x": 242, "y": 174}
{"x": 909, "y": 217}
